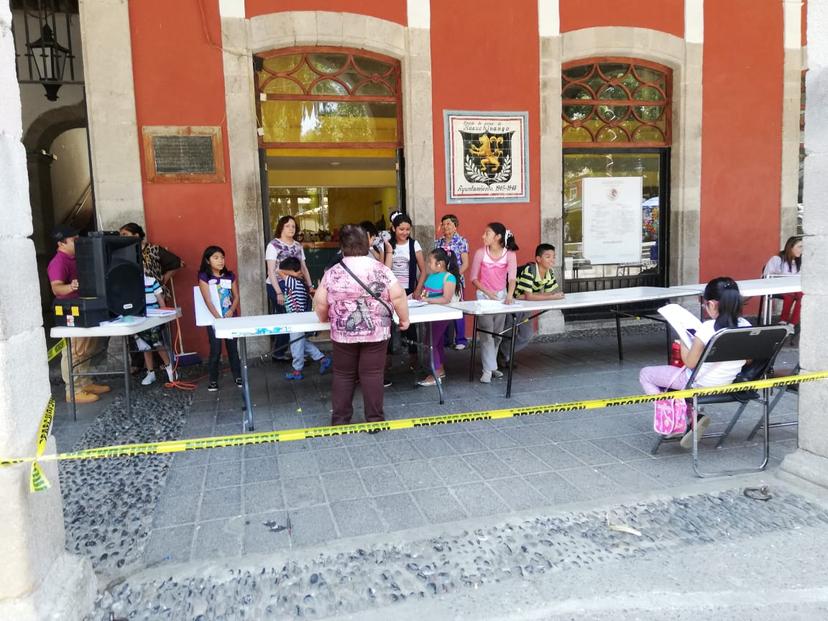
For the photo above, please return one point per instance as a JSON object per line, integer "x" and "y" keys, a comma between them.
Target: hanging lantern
{"x": 49, "y": 58}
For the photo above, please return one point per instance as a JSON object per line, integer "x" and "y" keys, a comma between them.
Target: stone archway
{"x": 38, "y": 141}
{"x": 242, "y": 38}
{"x": 684, "y": 57}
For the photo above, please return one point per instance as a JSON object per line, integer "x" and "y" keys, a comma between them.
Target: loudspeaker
{"x": 110, "y": 268}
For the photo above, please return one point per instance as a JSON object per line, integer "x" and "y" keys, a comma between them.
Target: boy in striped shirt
{"x": 297, "y": 300}
{"x": 535, "y": 282}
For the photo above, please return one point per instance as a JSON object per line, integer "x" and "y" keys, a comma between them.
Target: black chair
{"x": 780, "y": 392}
{"x": 758, "y": 345}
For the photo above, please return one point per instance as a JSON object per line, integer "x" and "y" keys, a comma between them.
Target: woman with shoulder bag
{"x": 359, "y": 296}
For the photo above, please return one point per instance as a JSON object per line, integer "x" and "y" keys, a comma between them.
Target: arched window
{"x": 613, "y": 102}
{"x": 329, "y": 97}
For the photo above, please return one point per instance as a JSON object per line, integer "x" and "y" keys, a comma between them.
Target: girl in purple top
{"x": 358, "y": 296}
{"x": 213, "y": 272}
{"x": 494, "y": 273}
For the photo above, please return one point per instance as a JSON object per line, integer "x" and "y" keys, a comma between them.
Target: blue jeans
{"x": 300, "y": 345}
{"x": 281, "y": 342}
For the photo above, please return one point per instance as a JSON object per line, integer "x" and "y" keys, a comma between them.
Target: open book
{"x": 685, "y": 323}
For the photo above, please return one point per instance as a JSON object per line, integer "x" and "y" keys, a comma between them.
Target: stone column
{"x": 110, "y": 102}
{"x": 551, "y": 156}
{"x": 810, "y": 461}
{"x": 240, "y": 104}
{"x": 418, "y": 122}
{"x": 38, "y": 578}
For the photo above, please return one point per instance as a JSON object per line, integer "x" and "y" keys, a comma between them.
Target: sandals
{"x": 430, "y": 381}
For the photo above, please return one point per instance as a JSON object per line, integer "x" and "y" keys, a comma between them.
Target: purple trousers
{"x": 438, "y": 331}
{"x": 663, "y": 377}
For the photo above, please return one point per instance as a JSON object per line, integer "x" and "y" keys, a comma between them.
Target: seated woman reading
{"x": 723, "y": 305}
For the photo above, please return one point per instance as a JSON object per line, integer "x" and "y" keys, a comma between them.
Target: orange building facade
{"x": 336, "y": 111}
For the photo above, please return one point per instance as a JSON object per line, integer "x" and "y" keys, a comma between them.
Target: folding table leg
{"x": 247, "y": 422}
{"x": 513, "y": 334}
{"x": 437, "y": 381}
{"x": 473, "y": 349}
{"x": 126, "y": 375}
{"x": 71, "y": 365}
{"x": 618, "y": 334}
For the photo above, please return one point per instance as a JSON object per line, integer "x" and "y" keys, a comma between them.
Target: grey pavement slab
{"x": 217, "y": 502}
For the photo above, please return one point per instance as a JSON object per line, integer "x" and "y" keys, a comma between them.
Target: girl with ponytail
{"x": 494, "y": 273}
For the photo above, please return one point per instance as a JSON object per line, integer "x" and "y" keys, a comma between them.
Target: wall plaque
{"x": 183, "y": 154}
{"x": 487, "y": 155}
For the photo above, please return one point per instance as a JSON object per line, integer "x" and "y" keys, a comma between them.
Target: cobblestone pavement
{"x": 376, "y": 576}
{"x": 282, "y": 499}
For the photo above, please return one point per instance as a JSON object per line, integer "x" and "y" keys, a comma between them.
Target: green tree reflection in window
{"x": 615, "y": 102}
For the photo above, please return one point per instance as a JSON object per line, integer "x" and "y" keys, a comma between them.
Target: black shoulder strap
{"x": 367, "y": 288}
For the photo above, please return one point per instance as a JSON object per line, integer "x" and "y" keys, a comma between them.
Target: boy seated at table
{"x": 535, "y": 282}
{"x": 151, "y": 340}
{"x": 297, "y": 300}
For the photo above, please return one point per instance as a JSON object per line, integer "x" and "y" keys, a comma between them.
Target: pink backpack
{"x": 670, "y": 415}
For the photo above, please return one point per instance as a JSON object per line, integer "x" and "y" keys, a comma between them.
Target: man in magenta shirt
{"x": 63, "y": 278}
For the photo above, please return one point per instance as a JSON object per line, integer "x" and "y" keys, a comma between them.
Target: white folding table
{"x": 607, "y": 297}
{"x": 758, "y": 287}
{"x": 124, "y": 328}
{"x": 293, "y": 323}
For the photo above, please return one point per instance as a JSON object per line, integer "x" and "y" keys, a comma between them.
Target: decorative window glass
{"x": 317, "y": 97}
{"x": 615, "y": 102}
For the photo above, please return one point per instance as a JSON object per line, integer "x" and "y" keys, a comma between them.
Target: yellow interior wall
{"x": 348, "y": 205}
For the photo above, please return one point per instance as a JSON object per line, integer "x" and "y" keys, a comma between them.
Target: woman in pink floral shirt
{"x": 360, "y": 323}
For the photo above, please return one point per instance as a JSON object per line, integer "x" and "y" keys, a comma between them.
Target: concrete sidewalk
{"x": 225, "y": 503}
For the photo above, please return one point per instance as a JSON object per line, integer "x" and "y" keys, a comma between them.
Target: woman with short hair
{"x": 359, "y": 296}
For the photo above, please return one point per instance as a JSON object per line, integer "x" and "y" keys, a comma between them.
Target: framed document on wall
{"x": 487, "y": 157}
{"x": 183, "y": 154}
{"x": 612, "y": 219}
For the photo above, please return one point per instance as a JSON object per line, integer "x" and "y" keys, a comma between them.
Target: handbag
{"x": 370, "y": 291}
{"x": 670, "y": 415}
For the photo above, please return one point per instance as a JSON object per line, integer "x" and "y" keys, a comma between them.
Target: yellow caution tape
{"x": 289, "y": 435}
{"x": 55, "y": 350}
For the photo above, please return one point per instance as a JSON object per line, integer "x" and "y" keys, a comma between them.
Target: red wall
{"x": 392, "y": 10}
{"x": 179, "y": 81}
{"x": 492, "y": 66}
{"x": 664, "y": 15}
{"x": 742, "y": 141}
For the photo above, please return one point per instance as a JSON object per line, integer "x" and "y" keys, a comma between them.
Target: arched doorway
{"x": 330, "y": 141}
{"x": 616, "y": 122}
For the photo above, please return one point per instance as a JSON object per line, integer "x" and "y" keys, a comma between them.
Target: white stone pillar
{"x": 810, "y": 461}
{"x": 418, "y": 121}
{"x": 551, "y": 155}
{"x": 110, "y": 103}
{"x": 38, "y": 578}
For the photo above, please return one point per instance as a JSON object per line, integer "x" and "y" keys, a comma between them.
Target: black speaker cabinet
{"x": 110, "y": 268}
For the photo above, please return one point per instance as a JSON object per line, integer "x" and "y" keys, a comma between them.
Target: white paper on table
{"x": 412, "y": 303}
{"x": 203, "y": 316}
{"x": 685, "y": 323}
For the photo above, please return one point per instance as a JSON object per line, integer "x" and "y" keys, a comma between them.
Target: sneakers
{"x": 96, "y": 389}
{"x": 497, "y": 374}
{"x": 325, "y": 364}
{"x": 212, "y": 387}
{"x": 687, "y": 441}
{"x": 239, "y": 382}
{"x": 171, "y": 374}
{"x": 460, "y": 346}
{"x": 386, "y": 382}
{"x": 82, "y": 396}
{"x": 486, "y": 377}
{"x": 149, "y": 378}
{"x": 294, "y": 375}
